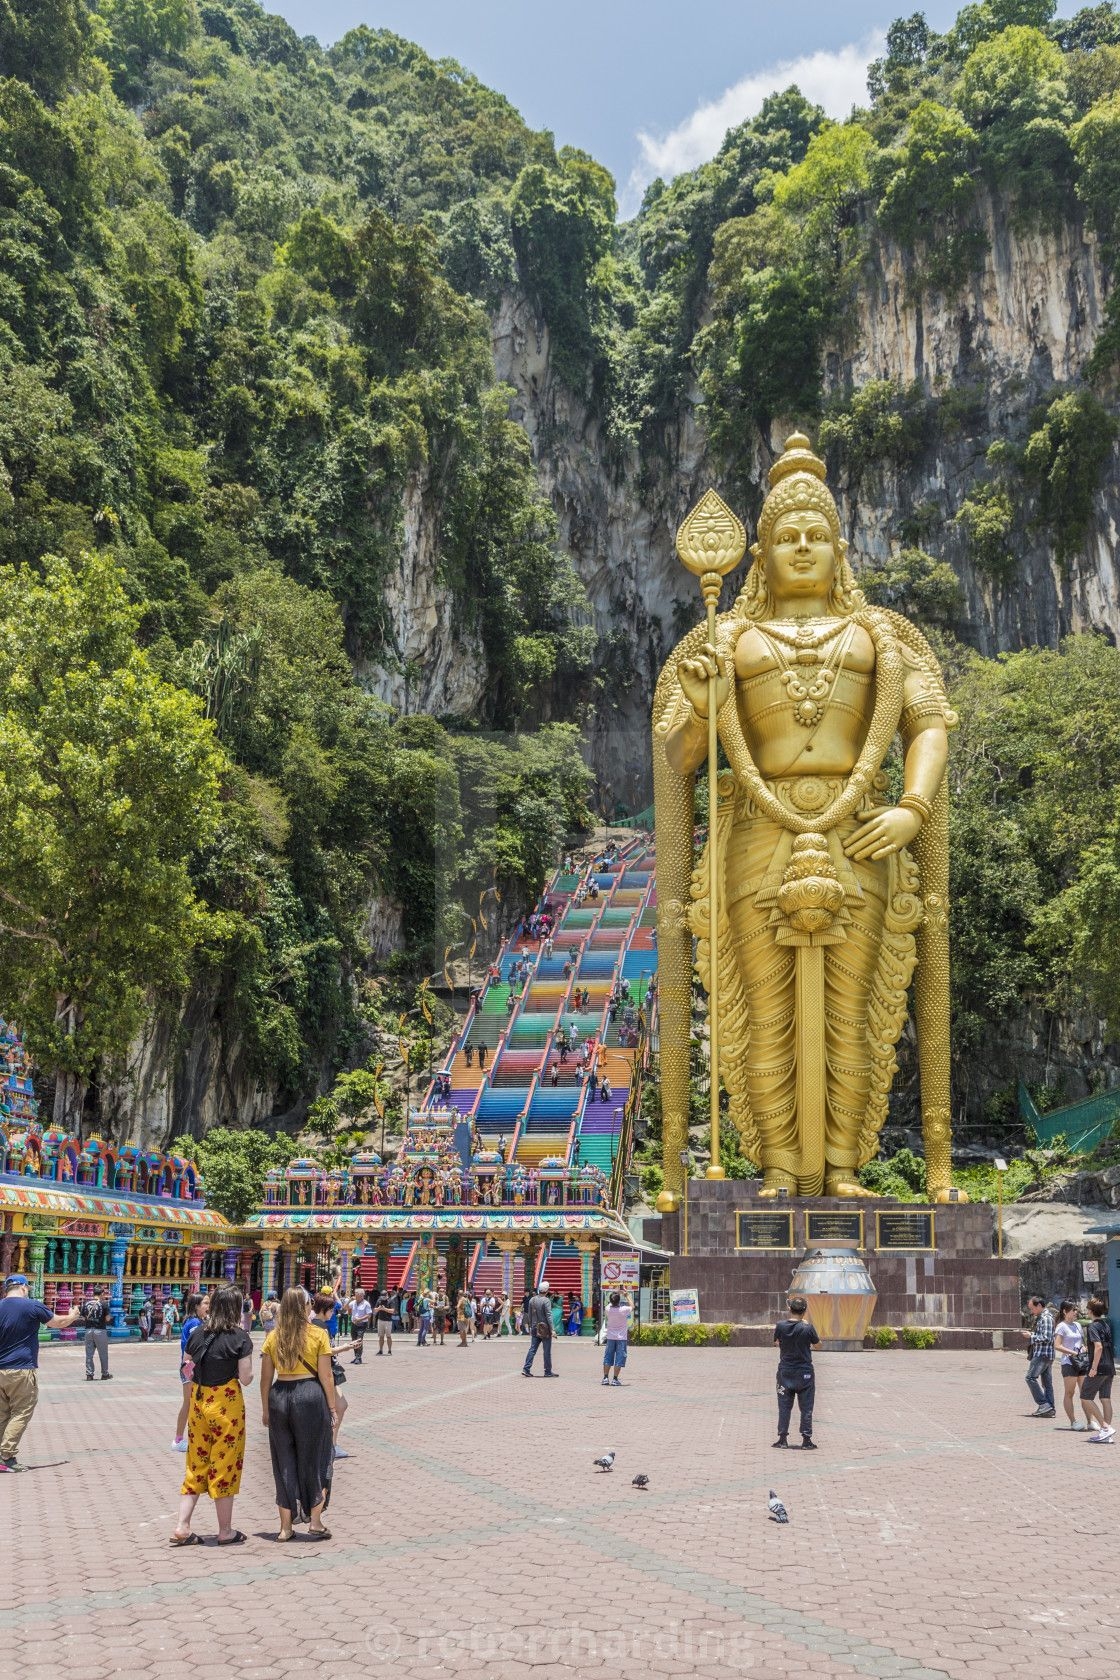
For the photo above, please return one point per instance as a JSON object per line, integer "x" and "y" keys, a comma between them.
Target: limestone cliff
{"x": 1026, "y": 322}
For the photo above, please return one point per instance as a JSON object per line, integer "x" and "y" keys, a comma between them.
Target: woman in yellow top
{"x": 299, "y": 1408}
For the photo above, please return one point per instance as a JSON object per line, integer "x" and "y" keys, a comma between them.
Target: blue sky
{"x": 647, "y": 86}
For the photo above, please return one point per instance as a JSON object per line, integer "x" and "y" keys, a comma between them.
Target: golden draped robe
{"x": 892, "y": 916}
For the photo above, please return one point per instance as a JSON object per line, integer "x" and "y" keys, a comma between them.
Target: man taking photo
{"x": 20, "y": 1322}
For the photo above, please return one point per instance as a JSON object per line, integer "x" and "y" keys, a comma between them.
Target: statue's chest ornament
{"x": 807, "y": 672}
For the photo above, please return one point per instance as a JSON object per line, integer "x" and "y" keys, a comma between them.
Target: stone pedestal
{"x": 932, "y": 1266}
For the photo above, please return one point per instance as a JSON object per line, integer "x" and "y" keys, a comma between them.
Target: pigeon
{"x": 604, "y": 1463}
{"x": 778, "y": 1512}
{"x": 641, "y": 1482}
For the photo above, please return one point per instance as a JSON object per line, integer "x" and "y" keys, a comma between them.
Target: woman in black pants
{"x": 299, "y": 1407}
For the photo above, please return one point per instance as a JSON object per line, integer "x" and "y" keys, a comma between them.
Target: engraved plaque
{"x": 763, "y": 1230}
{"x": 824, "y": 1226}
{"x": 895, "y": 1229}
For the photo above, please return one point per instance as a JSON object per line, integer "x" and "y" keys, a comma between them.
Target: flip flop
{"x": 282, "y": 1539}
{"x": 235, "y": 1538}
{"x": 318, "y": 1534}
{"x": 184, "y": 1540}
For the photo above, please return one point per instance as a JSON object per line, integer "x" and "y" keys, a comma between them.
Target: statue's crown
{"x": 797, "y": 456}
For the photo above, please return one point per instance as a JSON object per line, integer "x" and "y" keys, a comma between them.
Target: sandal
{"x": 284, "y": 1536}
{"x": 184, "y": 1540}
{"x": 318, "y": 1534}
{"x": 235, "y": 1539}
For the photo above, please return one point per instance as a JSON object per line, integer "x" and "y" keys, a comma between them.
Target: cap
{"x": 18, "y": 1280}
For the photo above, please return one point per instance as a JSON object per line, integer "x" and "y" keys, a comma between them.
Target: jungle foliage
{"x": 246, "y": 291}
{"x": 241, "y": 329}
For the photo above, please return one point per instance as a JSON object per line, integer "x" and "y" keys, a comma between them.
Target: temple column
{"x": 7, "y": 1243}
{"x": 587, "y": 1287}
{"x": 194, "y": 1267}
{"x": 383, "y": 1246}
{"x": 117, "y": 1257}
{"x": 229, "y": 1264}
{"x": 345, "y": 1261}
{"x": 268, "y": 1252}
{"x": 37, "y": 1255}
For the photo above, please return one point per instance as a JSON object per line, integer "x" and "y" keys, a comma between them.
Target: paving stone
{"x": 911, "y": 1532}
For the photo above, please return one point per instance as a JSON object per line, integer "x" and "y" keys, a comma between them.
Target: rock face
{"x": 185, "y": 1076}
{"x": 618, "y": 519}
{"x": 437, "y": 667}
{"x": 1025, "y": 324}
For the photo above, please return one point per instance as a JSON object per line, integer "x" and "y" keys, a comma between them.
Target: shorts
{"x": 1098, "y": 1387}
{"x": 1068, "y": 1370}
{"x": 614, "y": 1353}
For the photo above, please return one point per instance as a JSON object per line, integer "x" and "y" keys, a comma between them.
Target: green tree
{"x": 1096, "y": 145}
{"x": 108, "y": 783}
{"x": 43, "y": 43}
{"x": 562, "y": 222}
{"x": 137, "y": 31}
{"x": 1013, "y": 93}
{"x": 1065, "y": 457}
{"x": 928, "y": 186}
{"x": 233, "y": 1164}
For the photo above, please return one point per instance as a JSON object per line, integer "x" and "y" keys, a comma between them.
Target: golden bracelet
{"x": 914, "y": 802}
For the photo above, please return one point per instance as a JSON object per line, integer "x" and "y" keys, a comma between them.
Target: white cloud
{"x": 836, "y": 80}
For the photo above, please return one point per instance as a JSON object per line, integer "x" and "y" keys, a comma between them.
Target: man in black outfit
{"x": 795, "y": 1337}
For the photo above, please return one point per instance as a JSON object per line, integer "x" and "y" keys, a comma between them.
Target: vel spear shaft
{"x": 710, "y": 543}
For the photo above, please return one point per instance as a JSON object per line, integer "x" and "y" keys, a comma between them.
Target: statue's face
{"x": 800, "y": 558}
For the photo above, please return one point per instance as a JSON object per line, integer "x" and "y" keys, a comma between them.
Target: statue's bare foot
{"x": 774, "y": 1180}
{"x": 945, "y": 1194}
{"x": 841, "y": 1184}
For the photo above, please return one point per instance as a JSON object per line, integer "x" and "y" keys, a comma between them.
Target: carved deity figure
{"x": 828, "y": 891}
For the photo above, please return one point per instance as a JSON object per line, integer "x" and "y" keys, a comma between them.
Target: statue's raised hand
{"x": 695, "y": 674}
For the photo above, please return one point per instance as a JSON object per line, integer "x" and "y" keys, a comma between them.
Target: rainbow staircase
{"x": 606, "y": 942}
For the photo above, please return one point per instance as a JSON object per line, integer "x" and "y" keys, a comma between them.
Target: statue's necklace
{"x": 808, "y": 636}
{"x": 809, "y": 695}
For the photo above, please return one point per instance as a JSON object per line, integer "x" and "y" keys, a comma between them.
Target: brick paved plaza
{"x": 939, "y": 1531}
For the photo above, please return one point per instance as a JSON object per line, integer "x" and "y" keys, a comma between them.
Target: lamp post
{"x": 1001, "y": 1168}
{"x": 684, "y": 1204}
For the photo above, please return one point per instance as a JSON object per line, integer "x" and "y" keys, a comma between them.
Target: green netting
{"x": 1083, "y": 1124}
{"x": 644, "y": 819}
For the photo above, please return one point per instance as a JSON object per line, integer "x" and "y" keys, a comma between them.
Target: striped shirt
{"x": 1042, "y": 1336}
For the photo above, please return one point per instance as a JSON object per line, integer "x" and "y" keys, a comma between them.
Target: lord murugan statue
{"x": 822, "y": 894}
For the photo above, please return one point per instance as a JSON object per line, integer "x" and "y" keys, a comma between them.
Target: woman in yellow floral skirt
{"x": 222, "y": 1355}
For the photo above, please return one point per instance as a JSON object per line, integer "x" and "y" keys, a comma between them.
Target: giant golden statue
{"x": 826, "y": 895}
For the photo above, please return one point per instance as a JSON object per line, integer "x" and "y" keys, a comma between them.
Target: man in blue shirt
{"x": 20, "y": 1322}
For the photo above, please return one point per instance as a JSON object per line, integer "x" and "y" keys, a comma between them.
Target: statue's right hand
{"x": 695, "y": 675}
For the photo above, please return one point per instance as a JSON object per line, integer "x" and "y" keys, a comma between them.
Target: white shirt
{"x": 1068, "y": 1338}
{"x": 618, "y": 1322}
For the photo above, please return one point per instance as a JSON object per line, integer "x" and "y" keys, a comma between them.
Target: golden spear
{"x": 710, "y": 543}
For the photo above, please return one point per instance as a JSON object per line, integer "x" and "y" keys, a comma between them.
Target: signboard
{"x": 619, "y": 1271}
{"x": 81, "y": 1228}
{"x": 1091, "y": 1271}
{"x": 845, "y": 1227}
{"x": 684, "y": 1306}
{"x": 895, "y": 1229}
{"x": 763, "y": 1230}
